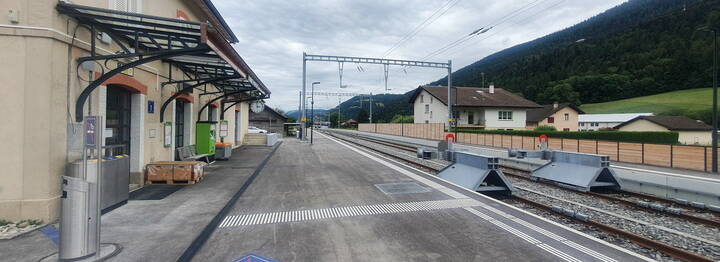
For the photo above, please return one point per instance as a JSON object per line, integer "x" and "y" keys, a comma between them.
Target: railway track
{"x": 641, "y": 201}
{"x": 662, "y": 245}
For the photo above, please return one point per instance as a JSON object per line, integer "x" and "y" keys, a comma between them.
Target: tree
{"x": 402, "y": 119}
{"x": 333, "y": 117}
{"x": 560, "y": 93}
{"x": 362, "y": 116}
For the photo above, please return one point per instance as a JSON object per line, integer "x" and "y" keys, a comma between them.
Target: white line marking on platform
{"x": 364, "y": 210}
{"x": 455, "y": 194}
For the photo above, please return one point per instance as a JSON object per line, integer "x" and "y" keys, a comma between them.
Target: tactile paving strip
{"x": 337, "y": 212}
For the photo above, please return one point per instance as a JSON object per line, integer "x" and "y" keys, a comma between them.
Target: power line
{"x": 435, "y": 15}
{"x": 498, "y": 22}
{"x": 533, "y": 15}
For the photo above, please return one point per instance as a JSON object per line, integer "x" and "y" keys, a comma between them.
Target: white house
{"x": 595, "y": 122}
{"x": 488, "y": 108}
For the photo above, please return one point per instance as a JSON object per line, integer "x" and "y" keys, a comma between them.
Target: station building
{"x": 152, "y": 69}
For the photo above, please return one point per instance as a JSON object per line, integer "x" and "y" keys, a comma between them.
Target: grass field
{"x": 690, "y": 100}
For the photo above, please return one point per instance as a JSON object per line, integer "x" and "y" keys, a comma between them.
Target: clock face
{"x": 257, "y": 107}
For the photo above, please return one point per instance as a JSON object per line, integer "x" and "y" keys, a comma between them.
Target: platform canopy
{"x": 197, "y": 49}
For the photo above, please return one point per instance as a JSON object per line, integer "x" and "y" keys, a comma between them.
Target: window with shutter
{"x": 134, "y": 6}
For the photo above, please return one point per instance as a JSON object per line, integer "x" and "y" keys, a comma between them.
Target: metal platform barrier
{"x": 582, "y": 172}
{"x": 477, "y": 172}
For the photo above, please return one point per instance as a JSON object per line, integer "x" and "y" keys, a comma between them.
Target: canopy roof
{"x": 149, "y": 35}
{"x": 196, "y": 48}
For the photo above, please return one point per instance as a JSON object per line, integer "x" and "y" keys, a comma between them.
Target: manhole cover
{"x": 402, "y": 188}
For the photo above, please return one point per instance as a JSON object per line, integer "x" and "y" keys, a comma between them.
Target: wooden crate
{"x": 175, "y": 172}
{"x": 160, "y": 171}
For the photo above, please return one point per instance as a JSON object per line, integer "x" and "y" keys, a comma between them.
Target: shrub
{"x": 620, "y": 136}
{"x": 545, "y": 129}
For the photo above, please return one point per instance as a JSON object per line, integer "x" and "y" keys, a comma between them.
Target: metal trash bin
{"x": 115, "y": 180}
{"x": 78, "y": 223}
{"x": 223, "y": 152}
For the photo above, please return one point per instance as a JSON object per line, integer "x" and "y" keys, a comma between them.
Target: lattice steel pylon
{"x": 381, "y": 61}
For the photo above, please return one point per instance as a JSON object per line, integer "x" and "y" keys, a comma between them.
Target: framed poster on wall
{"x": 167, "y": 134}
{"x": 223, "y": 128}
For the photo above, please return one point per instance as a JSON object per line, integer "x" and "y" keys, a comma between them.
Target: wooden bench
{"x": 188, "y": 153}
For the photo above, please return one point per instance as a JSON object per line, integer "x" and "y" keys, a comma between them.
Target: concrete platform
{"x": 320, "y": 202}
{"x": 157, "y": 230}
{"x": 660, "y": 181}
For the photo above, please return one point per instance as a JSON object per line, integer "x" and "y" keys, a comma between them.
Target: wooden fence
{"x": 676, "y": 156}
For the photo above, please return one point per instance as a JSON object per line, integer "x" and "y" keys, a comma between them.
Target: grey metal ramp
{"x": 477, "y": 172}
{"x": 579, "y": 171}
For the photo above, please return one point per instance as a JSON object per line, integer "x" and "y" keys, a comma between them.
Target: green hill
{"x": 639, "y": 48}
{"x": 694, "y": 103}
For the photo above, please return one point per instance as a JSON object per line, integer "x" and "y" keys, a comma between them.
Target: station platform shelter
{"x": 152, "y": 69}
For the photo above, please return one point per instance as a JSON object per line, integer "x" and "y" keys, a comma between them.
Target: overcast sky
{"x": 274, "y": 33}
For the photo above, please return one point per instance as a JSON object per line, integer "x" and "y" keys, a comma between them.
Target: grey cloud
{"x": 273, "y": 34}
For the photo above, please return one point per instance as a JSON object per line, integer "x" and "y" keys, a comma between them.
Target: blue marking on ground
{"x": 52, "y": 233}
{"x": 254, "y": 258}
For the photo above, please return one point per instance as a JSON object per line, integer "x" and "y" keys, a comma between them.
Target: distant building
{"x": 268, "y": 119}
{"x": 486, "y": 108}
{"x": 564, "y": 117}
{"x": 349, "y": 123}
{"x": 605, "y": 121}
{"x": 691, "y": 132}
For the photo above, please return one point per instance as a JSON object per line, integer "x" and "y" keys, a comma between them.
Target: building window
{"x": 211, "y": 113}
{"x": 134, "y": 6}
{"x": 431, "y": 100}
{"x": 471, "y": 118}
{"x": 505, "y": 115}
{"x": 594, "y": 124}
{"x": 427, "y": 121}
{"x": 179, "y": 125}
{"x": 566, "y": 129}
{"x": 427, "y": 109}
{"x": 582, "y": 124}
{"x": 117, "y": 115}
{"x": 431, "y": 114}
{"x": 551, "y": 120}
{"x": 567, "y": 116}
{"x": 422, "y": 99}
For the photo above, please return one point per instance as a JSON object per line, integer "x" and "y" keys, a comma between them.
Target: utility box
{"x": 223, "y": 151}
{"x": 205, "y": 137}
{"x": 78, "y": 221}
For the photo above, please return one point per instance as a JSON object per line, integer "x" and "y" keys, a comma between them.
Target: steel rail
{"x": 632, "y": 237}
{"x": 625, "y": 202}
{"x": 666, "y": 249}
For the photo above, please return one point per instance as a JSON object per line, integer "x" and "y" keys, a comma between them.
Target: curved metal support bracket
{"x": 188, "y": 89}
{"x": 215, "y": 99}
{"x": 97, "y": 82}
{"x": 235, "y": 102}
{"x": 222, "y": 116}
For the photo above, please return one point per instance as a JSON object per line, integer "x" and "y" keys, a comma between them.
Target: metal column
{"x": 450, "y": 102}
{"x": 371, "y": 105}
{"x": 302, "y": 110}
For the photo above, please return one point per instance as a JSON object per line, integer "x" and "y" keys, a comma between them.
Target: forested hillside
{"x": 641, "y": 47}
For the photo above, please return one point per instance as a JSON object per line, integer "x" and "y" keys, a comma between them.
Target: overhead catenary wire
{"x": 529, "y": 17}
{"x": 484, "y": 29}
{"x": 429, "y": 20}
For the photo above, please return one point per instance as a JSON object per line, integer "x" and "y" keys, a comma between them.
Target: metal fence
{"x": 675, "y": 156}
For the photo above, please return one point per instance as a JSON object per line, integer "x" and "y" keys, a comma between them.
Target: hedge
{"x": 620, "y": 136}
